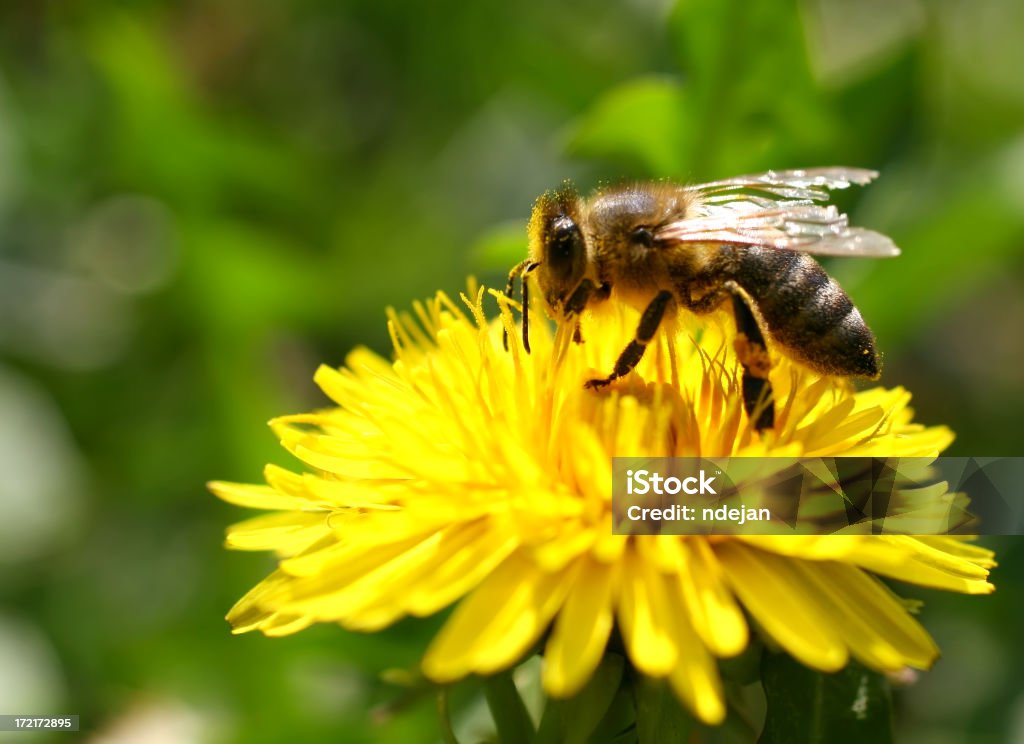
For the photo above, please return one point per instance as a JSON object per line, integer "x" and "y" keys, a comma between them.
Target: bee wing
{"x": 807, "y": 183}
{"x": 780, "y": 213}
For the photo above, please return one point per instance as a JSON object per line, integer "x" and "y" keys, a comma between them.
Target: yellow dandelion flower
{"x": 462, "y": 473}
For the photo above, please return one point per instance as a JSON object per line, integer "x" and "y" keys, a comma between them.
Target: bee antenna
{"x": 526, "y": 313}
{"x": 526, "y": 304}
{"x": 510, "y": 289}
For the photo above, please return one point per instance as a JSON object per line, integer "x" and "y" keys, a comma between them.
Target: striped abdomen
{"x": 807, "y": 312}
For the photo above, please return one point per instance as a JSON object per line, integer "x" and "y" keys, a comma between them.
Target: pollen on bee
{"x": 753, "y": 356}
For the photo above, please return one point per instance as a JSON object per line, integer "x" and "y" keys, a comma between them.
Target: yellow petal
{"x": 286, "y": 532}
{"x": 254, "y": 497}
{"x": 784, "y": 605}
{"x": 331, "y": 595}
{"x": 695, "y": 676}
{"x": 922, "y": 562}
{"x": 497, "y": 623}
{"x": 875, "y": 626}
{"x": 249, "y": 612}
{"x": 581, "y": 632}
{"x": 644, "y": 617}
{"x": 425, "y": 578}
{"x": 716, "y": 617}
{"x": 463, "y": 571}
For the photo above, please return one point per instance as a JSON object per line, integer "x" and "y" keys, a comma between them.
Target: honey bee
{"x": 664, "y": 248}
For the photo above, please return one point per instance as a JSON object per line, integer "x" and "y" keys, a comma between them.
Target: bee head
{"x": 557, "y": 246}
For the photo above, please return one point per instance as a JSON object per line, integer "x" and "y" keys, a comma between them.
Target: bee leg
{"x": 520, "y": 270}
{"x": 575, "y": 304}
{"x": 753, "y": 355}
{"x": 645, "y": 331}
{"x": 579, "y": 298}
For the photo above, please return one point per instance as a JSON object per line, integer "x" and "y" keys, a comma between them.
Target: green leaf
{"x": 444, "y": 717}
{"x": 510, "y": 715}
{"x": 744, "y": 669}
{"x": 807, "y": 707}
{"x": 754, "y": 99}
{"x": 643, "y": 122}
{"x": 659, "y": 714}
{"x": 573, "y": 721}
{"x": 963, "y": 233}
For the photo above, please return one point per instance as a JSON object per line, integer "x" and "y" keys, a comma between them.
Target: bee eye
{"x": 643, "y": 236}
{"x": 564, "y": 246}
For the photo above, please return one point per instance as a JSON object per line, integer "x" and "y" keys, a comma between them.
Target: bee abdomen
{"x": 808, "y": 313}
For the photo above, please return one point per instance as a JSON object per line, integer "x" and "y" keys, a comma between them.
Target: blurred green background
{"x": 201, "y": 201}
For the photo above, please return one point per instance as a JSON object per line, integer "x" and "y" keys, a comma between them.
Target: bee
{"x": 665, "y": 248}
